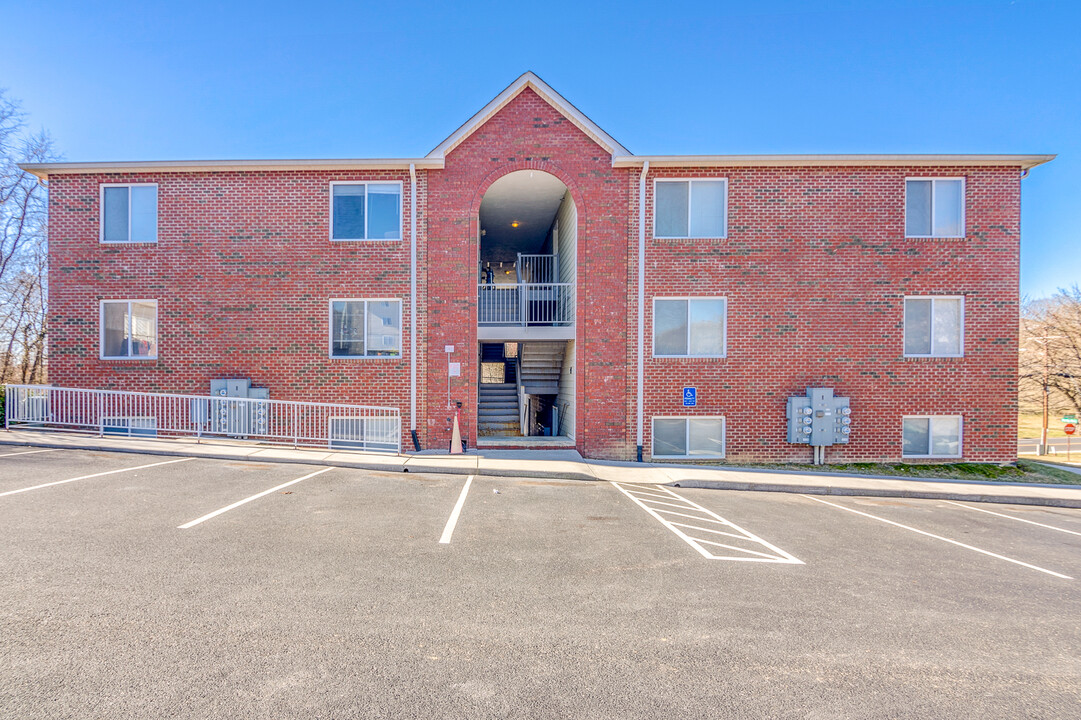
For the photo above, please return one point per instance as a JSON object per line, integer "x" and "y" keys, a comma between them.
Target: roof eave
{"x": 44, "y": 170}
{"x": 1025, "y": 162}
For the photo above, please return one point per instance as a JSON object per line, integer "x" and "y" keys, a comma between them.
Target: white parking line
{"x": 1011, "y": 517}
{"x": 449, "y": 529}
{"x": 237, "y": 504}
{"x": 641, "y": 496}
{"x": 29, "y": 452}
{"x": 939, "y": 537}
{"x": 87, "y": 477}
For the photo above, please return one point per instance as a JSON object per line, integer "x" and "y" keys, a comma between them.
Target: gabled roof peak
{"x": 530, "y": 80}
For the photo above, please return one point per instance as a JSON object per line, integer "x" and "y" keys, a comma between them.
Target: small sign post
{"x": 690, "y": 397}
{"x": 1069, "y": 429}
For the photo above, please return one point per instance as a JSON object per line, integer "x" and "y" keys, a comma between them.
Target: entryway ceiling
{"x": 528, "y": 197}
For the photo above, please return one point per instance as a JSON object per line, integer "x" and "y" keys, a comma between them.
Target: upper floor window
{"x": 934, "y": 326}
{"x": 365, "y": 211}
{"x": 365, "y": 328}
{"x": 931, "y": 436}
{"x": 935, "y": 207}
{"x": 689, "y": 327}
{"x": 129, "y": 329}
{"x": 129, "y": 213}
{"x": 690, "y": 208}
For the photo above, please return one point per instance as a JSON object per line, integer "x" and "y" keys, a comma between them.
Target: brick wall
{"x": 242, "y": 272}
{"x": 815, "y": 267}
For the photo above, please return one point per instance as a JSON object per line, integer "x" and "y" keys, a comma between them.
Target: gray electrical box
{"x": 819, "y": 419}
{"x": 234, "y": 408}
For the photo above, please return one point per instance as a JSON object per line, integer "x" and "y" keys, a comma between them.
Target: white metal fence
{"x": 110, "y": 412}
{"x": 526, "y": 304}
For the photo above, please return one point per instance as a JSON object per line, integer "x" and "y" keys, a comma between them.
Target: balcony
{"x": 533, "y": 307}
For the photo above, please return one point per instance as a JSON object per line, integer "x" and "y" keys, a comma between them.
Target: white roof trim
{"x": 655, "y": 161}
{"x": 530, "y": 80}
{"x": 44, "y": 170}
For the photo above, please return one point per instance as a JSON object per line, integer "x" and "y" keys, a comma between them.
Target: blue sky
{"x": 197, "y": 80}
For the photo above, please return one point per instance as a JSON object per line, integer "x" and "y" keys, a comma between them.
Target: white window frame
{"x": 401, "y": 209}
{"x": 964, "y": 201}
{"x": 101, "y": 213}
{"x": 363, "y": 443}
{"x": 689, "y": 298}
{"x": 904, "y": 329}
{"x": 114, "y": 423}
{"x": 101, "y": 330}
{"x": 930, "y": 441}
{"x": 657, "y": 181}
{"x": 330, "y": 328}
{"x": 687, "y": 430}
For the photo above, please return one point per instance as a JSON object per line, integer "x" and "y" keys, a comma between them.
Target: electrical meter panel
{"x": 819, "y": 419}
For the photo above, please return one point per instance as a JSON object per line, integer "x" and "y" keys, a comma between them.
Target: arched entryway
{"x": 527, "y": 279}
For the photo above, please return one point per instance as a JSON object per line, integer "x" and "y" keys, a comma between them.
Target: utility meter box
{"x": 819, "y": 419}
{"x": 235, "y": 408}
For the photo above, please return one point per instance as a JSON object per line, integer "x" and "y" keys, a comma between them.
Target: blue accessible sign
{"x": 690, "y": 397}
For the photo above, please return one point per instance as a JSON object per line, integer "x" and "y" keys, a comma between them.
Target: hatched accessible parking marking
{"x": 703, "y": 529}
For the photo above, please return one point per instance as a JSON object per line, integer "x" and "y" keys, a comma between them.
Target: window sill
{"x": 689, "y": 357}
{"x": 918, "y": 358}
{"x": 933, "y": 238}
{"x": 353, "y": 358}
{"x": 127, "y": 242}
{"x": 932, "y": 457}
{"x": 365, "y": 240}
{"x": 690, "y": 239}
{"x": 140, "y": 358}
{"x": 700, "y": 458}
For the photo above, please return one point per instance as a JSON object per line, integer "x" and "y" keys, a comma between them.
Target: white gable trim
{"x": 529, "y": 80}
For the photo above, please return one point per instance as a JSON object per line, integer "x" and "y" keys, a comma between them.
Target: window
{"x": 931, "y": 436}
{"x": 130, "y": 426}
{"x": 935, "y": 207}
{"x": 129, "y": 213}
{"x": 690, "y": 208}
{"x": 697, "y": 437}
{"x": 365, "y": 328}
{"x": 365, "y": 211}
{"x": 129, "y": 329}
{"x": 371, "y": 433}
{"x": 689, "y": 327}
{"x": 934, "y": 326}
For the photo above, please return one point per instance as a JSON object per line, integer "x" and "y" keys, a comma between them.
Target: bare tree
{"x": 1050, "y": 363}
{"x": 23, "y": 248}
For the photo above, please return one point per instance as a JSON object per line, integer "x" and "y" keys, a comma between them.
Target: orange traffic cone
{"x": 456, "y": 437}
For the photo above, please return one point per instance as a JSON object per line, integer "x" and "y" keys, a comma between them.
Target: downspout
{"x": 413, "y": 305}
{"x": 641, "y": 298}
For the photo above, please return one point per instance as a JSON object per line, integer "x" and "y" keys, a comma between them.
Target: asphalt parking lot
{"x": 142, "y": 586}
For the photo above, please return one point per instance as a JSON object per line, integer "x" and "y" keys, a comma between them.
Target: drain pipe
{"x": 413, "y": 305}
{"x": 641, "y": 298}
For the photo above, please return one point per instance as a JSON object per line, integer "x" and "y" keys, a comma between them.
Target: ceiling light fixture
{"x": 514, "y": 223}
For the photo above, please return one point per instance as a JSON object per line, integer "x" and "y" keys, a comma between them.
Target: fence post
{"x": 296, "y": 425}
{"x": 101, "y": 414}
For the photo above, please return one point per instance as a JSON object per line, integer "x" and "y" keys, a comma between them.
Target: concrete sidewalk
{"x": 569, "y": 464}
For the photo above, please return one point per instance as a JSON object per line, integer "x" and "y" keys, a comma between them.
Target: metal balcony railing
{"x": 526, "y": 304}
{"x": 110, "y": 412}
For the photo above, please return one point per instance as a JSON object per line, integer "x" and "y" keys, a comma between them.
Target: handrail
{"x": 121, "y": 412}
{"x": 525, "y": 304}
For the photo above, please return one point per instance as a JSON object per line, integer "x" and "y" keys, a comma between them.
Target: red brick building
{"x": 582, "y": 288}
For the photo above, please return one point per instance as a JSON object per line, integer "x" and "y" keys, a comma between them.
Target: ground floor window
{"x": 365, "y": 328}
{"x": 130, "y": 426}
{"x": 371, "y": 433}
{"x": 129, "y": 329}
{"x": 688, "y": 437}
{"x": 931, "y": 436}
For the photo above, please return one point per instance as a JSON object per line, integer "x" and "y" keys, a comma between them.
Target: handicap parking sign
{"x": 690, "y": 397}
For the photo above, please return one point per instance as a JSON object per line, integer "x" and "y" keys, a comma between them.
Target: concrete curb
{"x": 915, "y": 492}
{"x": 480, "y": 465}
